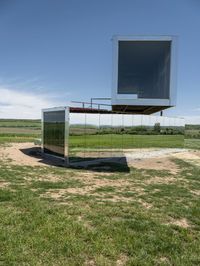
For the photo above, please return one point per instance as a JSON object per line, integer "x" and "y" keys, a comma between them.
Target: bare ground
{"x": 4, "y": 184}
{"x": 95, "y": 183}
{"x": 16, "y": 153}
{"x": 164, "y": 163}
{"x": 181, "y": 222}
{"x": 158, "y": 159}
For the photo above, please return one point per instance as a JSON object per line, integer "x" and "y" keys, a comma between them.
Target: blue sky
{"x": 54, "y": 51}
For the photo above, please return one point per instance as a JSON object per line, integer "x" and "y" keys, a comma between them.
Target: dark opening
{"x": 144, "y": 68}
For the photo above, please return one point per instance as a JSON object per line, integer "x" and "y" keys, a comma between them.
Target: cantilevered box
{"x": 144, "y": 73}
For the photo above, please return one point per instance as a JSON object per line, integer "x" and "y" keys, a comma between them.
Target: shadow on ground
{"x": 105, "y": 164}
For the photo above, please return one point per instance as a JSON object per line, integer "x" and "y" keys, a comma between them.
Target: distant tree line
{"x": 136, "y": 130}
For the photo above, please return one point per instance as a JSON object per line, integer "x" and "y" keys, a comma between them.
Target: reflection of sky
{"x": 125, "y": 120}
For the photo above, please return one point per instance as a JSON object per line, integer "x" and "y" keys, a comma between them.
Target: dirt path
{"x": 21, "y": 154}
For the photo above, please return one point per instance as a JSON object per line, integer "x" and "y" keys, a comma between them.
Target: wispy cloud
{"x": 196, "y": 109}
{"x": 18, "y": 104}
{"x": 195, "y": 120}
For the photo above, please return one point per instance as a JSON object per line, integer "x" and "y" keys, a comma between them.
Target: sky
{"x": 56, "y": 51}
{"x": 125, "y": 120}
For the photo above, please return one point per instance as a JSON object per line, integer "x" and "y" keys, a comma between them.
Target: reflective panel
{"x": 92, "y": 133}
{"x": 105, "y": 136}
{"x": 95, "y": 136}
{"x": 117, "y": 139}
{"x": 90, "y": 136}
{"x": 54, "y": 132}
{"x": 77, "y": 136}
{"x": 128, "y": 139}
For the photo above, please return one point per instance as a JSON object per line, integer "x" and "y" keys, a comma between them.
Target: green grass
{"x": 192, "y": 143}
{"x": 132, "y": 223}
{"x": 20, "y": 123}
{"x": 126, "y": 141}
{"x": 19, "y": 130}
{"x": 67, "y": 221}
{"x": 8, "y": 138}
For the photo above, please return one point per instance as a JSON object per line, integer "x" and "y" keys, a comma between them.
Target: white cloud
{"x": 195, "y": 120}
{"x": 16, "y": 104}
{"x": 197, "y": 109}
{"x": 22, "y": 105}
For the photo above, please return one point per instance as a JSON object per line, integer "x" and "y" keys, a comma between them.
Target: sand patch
{"x": 164, "y": 260}
{"x": 17, "y": 153}
{"x": 91, "y": 190}
{"x": 145, "y": 204}
{"x": 90, "y": 263}
{"x": 87, "y": 190}
{"x": 29, "y": 154}
{"x": 156, "y": 164}
{"x": 158, "y": 159}
{"x": 94, "y": 181}
{"x": 4, "y": 184}
{"x": 114, "y": 198}
{"x": 190, "y": 157}
{"x": 160, "y": 180}
{"x": 54, "y": 194}
{"x": 195, "y": 192}
{"x": 122, "y": 260}
{"x": 43, "y": 178}
{"x": 181, "y": 222}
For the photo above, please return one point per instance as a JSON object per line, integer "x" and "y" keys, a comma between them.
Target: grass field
{"x": 20, "y": 123}
{"x": 192, "y": 143}
{"x": 13, "y": 137}
{"x": 18, "y": 130}
{"x": 58, "y": 216}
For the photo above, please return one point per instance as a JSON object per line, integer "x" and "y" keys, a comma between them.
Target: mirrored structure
{"x": 55, "y": 127}
{"x": 78, "y": 136}
{"x": 144, "y": 73}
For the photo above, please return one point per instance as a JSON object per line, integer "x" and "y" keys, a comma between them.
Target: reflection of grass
{"x": 192, "y": 143}
{"x": 126, "y": 141}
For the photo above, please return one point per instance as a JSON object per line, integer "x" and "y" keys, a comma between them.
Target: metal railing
{"x": 91, "y": 104}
